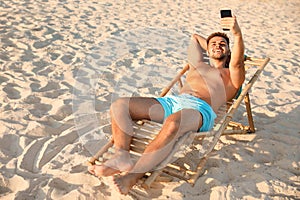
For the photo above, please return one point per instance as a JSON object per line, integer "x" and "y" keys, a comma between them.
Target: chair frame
{"x": 225, "y": 126}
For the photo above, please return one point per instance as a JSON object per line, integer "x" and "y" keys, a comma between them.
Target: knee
{"x": 172, "y": 125}
{"x": 119, "y": 105}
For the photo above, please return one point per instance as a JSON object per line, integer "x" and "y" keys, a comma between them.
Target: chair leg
{"x": 199, "y": 171}
{"x": 147, "y": 183}
{"x": 104, "y": 149}
{"x": 249, "y": 113}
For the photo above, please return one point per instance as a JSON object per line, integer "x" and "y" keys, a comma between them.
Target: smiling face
{"x": 218, "y": 48}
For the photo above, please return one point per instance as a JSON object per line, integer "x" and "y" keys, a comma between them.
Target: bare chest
{"x": 213, "y": 81}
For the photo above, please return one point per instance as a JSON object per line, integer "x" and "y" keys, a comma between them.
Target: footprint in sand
{"x": 35, "y": 87}
{"x": 11, "y": 92}
{"x": 41, "y": 44}
{"x": 60, "y": 188}
{"x": 12, "y": 184}
{"x": 63, "y": 112}
{"x": 32, "y": 99}
{"x": 10, "y": 145}
{"x": 51, "y": 85}
{"x": 27, "y": 161}
{"x": 51, "y": 90}
{"x": 42, "y": 150}
{"x": 3, "y": 79}
{"x": 40, "y": 109}
{"x": 4, "y": 190}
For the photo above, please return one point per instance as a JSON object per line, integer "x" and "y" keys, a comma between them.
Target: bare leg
{"x": 176, "y": 125}
{"x": 123, "y": 111}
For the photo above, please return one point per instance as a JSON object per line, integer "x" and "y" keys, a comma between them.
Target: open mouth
{"x": 218, "y": 51}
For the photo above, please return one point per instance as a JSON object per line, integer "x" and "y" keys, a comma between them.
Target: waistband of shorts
{"x": 193, "y": 97}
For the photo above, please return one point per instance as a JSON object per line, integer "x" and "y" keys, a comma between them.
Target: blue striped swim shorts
{"x": 173, "y": 104}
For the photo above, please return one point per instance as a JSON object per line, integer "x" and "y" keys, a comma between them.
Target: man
{"x": 207, "y": 87}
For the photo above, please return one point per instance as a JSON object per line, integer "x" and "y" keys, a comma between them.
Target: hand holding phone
{"x": 225, "y": 13}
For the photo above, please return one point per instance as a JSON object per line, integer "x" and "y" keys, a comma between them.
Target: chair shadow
{"x": 256, "y": 165}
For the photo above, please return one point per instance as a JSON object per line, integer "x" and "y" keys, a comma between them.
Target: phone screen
{"x": 225, "y": 13}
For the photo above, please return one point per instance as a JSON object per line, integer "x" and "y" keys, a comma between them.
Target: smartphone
{"x": 225, "y": 13}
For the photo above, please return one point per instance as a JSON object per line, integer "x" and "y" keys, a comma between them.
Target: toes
{"x": 117, "y": 183}
{"x": 121, "y": 186}
{"x": 91, "y": 169}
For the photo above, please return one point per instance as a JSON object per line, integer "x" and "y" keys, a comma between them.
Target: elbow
{"x": 200, "y": 40}
{"x": 195, "y": 37}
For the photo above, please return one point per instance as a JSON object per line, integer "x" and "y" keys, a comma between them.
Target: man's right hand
{"x": 231, "y": 24}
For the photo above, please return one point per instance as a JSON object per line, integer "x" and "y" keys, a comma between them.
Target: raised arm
{"x": 201, "y": 40}
{"x": 195, "y": 50}
{"x": 236, "y": 65}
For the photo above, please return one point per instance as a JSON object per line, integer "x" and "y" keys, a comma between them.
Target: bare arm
{"x": 236, "y": 65}
{"x": 195, "y": 50}
{"x": 201, "y": 40}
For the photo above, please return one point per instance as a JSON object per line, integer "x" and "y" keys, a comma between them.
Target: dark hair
{"x": 220, "y": 34}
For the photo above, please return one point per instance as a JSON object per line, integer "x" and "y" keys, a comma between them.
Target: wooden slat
{"x": 148, "y": 126}
{"x": 141, "y": 140}
{"x": 234, "y": 132}
{"x": 180, "y": 168}
{"x": 138, "y": 133}
{"x": 253, "y": 63}
{"x": 137, "y": 149}
{"x": 138, "y": 144}
{"x": 176, "y": 173}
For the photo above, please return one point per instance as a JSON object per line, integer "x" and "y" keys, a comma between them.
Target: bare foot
{"x": 126, "y": 182}
{"x": 102, "y": 170}
{"x": 119, "y": 163}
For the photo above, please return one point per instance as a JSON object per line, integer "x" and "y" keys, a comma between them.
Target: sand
{"x": 63, "y": 62}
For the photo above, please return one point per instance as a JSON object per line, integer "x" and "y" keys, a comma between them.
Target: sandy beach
{"x": 63, "y": 62}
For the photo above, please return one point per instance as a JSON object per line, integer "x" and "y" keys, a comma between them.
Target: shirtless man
{"x": 207, "y": 87}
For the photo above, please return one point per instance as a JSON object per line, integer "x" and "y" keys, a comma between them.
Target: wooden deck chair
{"x": 202, "y": 142}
